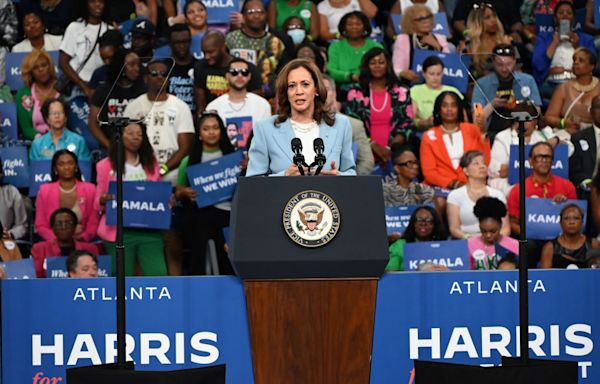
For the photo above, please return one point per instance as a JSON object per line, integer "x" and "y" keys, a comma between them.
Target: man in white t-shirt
{"x": 168, "y": 120}
{"x": 238, "y": 108}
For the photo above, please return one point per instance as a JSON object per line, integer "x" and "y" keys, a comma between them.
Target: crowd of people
{"x": 343, "y": 70}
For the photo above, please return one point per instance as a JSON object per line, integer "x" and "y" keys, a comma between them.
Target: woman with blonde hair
{"x": 39, "y": 77}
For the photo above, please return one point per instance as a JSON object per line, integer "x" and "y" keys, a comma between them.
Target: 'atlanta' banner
{"x": 39, "y": 173}
{"x": 56, "y": 267}
{"x": 455, "y": 70}
{"x": 215, "y": 181}
{"x": 15, "y": 165}
{"x": 560, "y": 164}
{"x": 397, "y": 218}
{"x": 472, "y": 318}
{"x": 145, "y": 204}
{"x": 543, "y": 217}
{"x": 453, "y": 254}
{"x": 56, "y": 324}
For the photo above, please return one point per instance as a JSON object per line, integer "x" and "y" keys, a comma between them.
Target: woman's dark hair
{"x": 224, "y": 144}
{"x": 111, "y": 38}
{"x": 509, "y": 258}
{"x": 564, "y": 2}
{"x": 190, "y": 2}
{"x": 145, "y": 152}
{"x": 317, "y": 52}
{"x": 361, "y": 16}
{"x": 364, "y": 79}
{"x": 430, "y": 61}
{"x": 36, "y": 14}
{"x": 289, "y": 20}
{"x": 75, "y": 255}
{"x": 489, "y": 208}
{"x": 437, "y": 106}
{"x": 46, "y": 108}
{"x": 62, "y": 210}
{"x": 437, "y": 234}
{"x": 399, "y": 150}
{"x": 59, "y": 153}
{"x": 592, "y": 58}
{"x": 468, "y": 157}
{"x": 116, "y": 64}
{"x": 569, "y": 206}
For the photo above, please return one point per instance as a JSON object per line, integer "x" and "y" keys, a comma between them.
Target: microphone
{"x": 320, "y": 158}
{"x": 298, "y": 156}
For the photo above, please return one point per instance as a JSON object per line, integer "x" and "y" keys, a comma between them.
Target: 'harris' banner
{"x": 145, "y": 204}
{"x": 14, "y": 61}
{"x": 15, "y": 164}
{"x": 19, "y": 269}
{"x": 543, "y": 217}
{"x": 560, "y": 164}
{"x": 218, "y": 10}
{"x": 453, "y": 254}
{"x": 440, "y": 24}
{"x": 397, "y": 218}
{"x": 39, "y": 173}
{"x": 544, "y": 22}
{"x": 455, "y": 72}
{"x": 56, "y": 267}
{"x": 8, "y": 119}
{"x": 215, "y": 181}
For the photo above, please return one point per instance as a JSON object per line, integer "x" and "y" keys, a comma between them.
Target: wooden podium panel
{"x": 311, "y": 331}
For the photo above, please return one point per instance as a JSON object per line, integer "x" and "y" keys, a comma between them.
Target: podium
{"x": 310, "y": 251}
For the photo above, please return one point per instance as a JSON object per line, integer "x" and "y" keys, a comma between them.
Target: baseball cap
{"x": 143, "y": 26}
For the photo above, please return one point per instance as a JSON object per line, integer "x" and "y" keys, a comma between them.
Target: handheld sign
{"x": 560, "y": 164}
{"x": 79, "y": 111}
{"x": 218, "y": 10}
{"x": 56, "y": 267}
{"x": 39, "y": 173}
{"x": 544, "y": 22}
{"x": 145, "y": 204}
{"x": 543, "y": 217}
{"x": 397, "y": 218}
{"x": 243, "y": 127}
{"x": 19, "y": 269}
{"x": 215, "y": 181}
{"x": 8, "y": 119}
{"x": 455, "y": 72}
{"x": 13, "y": 68}
{"x": 440, "y": 24}
{"x": 15, "y": 165}
{"x": 453, "y": 254}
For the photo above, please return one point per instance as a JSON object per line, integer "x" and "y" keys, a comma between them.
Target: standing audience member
{"x": 82, "y": 264}
{"x": 401, "y": 188}
{"x": 181, "y": 80}
{"x": 13, "y": 216}
{"x": 142, "y": 39}
{"x": 67, "y": 190}
{"x": 507, "y": 10}
{"x": 110, "y": 42}
{"x": 583, "y": 164}
{"x": 63, "y": 241}
{"x": 196, "y": 17}
{"x": 36, "y": 36}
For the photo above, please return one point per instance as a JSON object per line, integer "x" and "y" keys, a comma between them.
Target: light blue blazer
{"x": 271, "y": 153}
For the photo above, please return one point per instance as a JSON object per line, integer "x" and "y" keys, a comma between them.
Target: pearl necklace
{"x": 303, "y": 127}
{"x": 385, "y": 101}
{"x": 67, "y": 191}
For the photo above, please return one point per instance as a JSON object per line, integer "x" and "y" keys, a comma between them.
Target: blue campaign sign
{"x": 543, "y": 217}
{"x": 453, "y": 254}
{"x": 13, "y": 68}
{"x": 218, "y": 10}
{"x": 397, "y": 218}
{"x": 544, "y": 22}
{"x": 56, "y": 267}
{"x": 215, "y": 181}
{"x": 79, "y": 111}
{"x": 8, "y": 119}
{"x": 455, "y": 67}
{"x": 472, "y": 318}
{"x": 15, "y": 165}
{"x": 145, "y": 204}
{"x": 560, "y": 164}
{"x": 440, "y": 24}
{"x": 383, "y": 172}
{"x": 19, "y": 269}
{"x": 168, "y": 328}
{"x": 39, "y": 173}
{"x": 597, "y": 13}
{"x": 441, "y": 192}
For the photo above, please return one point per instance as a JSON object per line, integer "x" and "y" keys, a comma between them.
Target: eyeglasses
{"x": 483, "y": 5}
{"x": 504, "y": 51}
{"x": 409, "y": 163}
{"x": 56, "y": 113}
{"x": 63, "y": 224}
{"x": 158, "y": 74}
{"x": 423, "y": 18}
{"x": 255, "y": 10}
{"x": 297, "y": 26}
{"x": 239, "y": 71}
{"x": 542, "y": 157}
{"x": 424, "y": 220}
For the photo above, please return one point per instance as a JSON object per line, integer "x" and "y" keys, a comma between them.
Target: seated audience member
{"x": 9, "y": 250}
{"x": 401, "y": 188}
{"x": 36, "y": 36}
{"x": 443, "y": 146}
{"x": 508, "y": 262}
{"x": 569, "y": 107}
{"x": 424, "y": 225}
{"x": 542, "y": 184}
{"x": 280, "y": 11}
{"x": 346, "y": 54}
{"x": 67, "y": 190}
{"x": 487, "y": 249}
{"x": 417, "y": 33}
{"x": 39, "y": 78}
{"x": 503, "y": 88}
{"x": 553, "y": 53}
{"x": 423, "y": 95}
{"x": 313, "y": 53}
{"x": 82, "y": 264}
{"x": 13, "y": 216}
{"x": 435, "y": 6}
{"x": 462, "y": 220}
{"x": 499, "y": 164}
{"x": 583, "y": 162}
{"x": 143, "y": 246}
{"x": 295, "y": 28}
{"x": 57, "y": 17}
{"x": 54, "y": 111}
{"x": 571, "y": 246}
{"x": 382, "y": 103}
{"x": 507, "y": 11}
{"x": 108, "y": 44}
{"x": 332, "y": 11}
{"x": 63, "y": 222}
{"x": 142, "y": 39}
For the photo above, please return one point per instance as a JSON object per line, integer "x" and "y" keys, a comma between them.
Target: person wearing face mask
{"x": 295, "y": 28}
{"x": 280, "y": 11}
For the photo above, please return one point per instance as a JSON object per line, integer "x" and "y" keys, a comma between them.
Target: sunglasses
{"x": 234, "y": 72}
{"x": 254, "y": 10}
{"x": 483, "y": 5}
{"x": 423, "y": 18}
{"x": 504, "y": 51}
{"x": 158, "y": 74}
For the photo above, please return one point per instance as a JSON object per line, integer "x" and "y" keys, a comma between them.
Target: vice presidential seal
{"x": 311, "y": 219}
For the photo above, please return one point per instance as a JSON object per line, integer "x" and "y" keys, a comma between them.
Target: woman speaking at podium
{"x": 301, "y": 97}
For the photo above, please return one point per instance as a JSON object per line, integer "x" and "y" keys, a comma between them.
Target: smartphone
{"x": 563, "y": 29}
